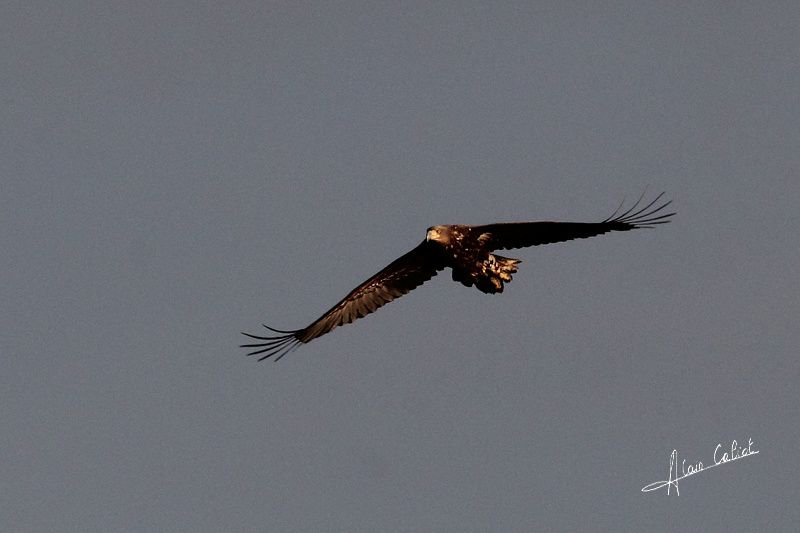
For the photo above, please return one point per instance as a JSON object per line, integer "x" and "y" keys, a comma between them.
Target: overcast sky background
{"x": 173, "y": 174}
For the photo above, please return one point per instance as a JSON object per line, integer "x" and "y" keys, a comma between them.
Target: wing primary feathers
{"x": 277, "y": 346}
{"x": 279, "y": 330}
{"x": 643, "y": 217}
{"x": 616, "y": 210}
{"x": 626, "y": 213}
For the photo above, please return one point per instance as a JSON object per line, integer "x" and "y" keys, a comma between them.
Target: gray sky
{"x": 175, "y": 174}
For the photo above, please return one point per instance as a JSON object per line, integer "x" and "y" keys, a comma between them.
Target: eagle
{"x": 467, "y": 251}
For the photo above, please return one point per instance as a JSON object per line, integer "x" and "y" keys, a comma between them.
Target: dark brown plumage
{"x": 466, "y": 250}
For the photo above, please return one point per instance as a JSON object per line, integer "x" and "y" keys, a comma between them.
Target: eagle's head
{"x": 438, "y": 234}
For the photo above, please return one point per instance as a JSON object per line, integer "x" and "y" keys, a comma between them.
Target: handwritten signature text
{"x": 721, "y": 456}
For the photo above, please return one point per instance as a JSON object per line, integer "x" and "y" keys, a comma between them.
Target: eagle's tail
{"x": 496, "y": 270}
{"x": 506, "y": 266}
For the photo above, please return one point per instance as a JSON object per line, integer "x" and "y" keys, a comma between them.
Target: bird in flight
{"x": 467, "y": 251}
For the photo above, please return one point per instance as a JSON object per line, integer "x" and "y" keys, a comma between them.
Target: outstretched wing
{"x": 398, "y": 278}
{"x": 523, "y": 234}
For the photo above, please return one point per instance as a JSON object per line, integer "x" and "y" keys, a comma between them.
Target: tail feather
{"x": 496, "y": 270}
{"x": 506, "y": 266}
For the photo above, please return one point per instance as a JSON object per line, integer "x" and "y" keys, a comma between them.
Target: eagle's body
{"x": 467, "y": 250}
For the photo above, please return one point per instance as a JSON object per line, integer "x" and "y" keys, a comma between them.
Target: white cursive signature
{"x": 720, "y": 457}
